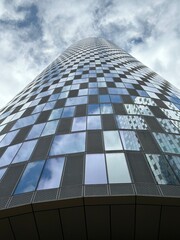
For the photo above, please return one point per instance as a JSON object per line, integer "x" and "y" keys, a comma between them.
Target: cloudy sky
{"x": 35, "y": 32}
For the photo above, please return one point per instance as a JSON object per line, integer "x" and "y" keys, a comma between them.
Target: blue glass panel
{"x": 25, "y": 151}
{"x": 68, "y": 143}
{"x": 56, "y": 114}
{"x": 51, "y": 174}
{"x": 95, "y": 169}
{"x": 104, "y": 98}
{"x": 116, "y": 99}
{"x": 79, "y": 124}
{"x": 8, "y": 138}
{"x": 68, "y": 112}
{"x": 117, "y": 168}
{"x": 26, "y": 121}
{"x": 36, "y": 131}
{"x": 93, "y": 122}
{"x": 50, "y": 128}
{"x": 30, "y": 177}
{"x": 93, "y": 109}
{"x": 106, "y": 108}
{"x": 9, "y": 154}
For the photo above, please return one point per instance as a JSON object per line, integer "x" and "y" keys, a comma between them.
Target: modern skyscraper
{"x": 91, "y": 150}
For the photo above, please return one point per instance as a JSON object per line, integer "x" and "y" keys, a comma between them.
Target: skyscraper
{"x": 91, "y": 150}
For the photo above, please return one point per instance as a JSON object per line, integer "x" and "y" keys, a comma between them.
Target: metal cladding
{"x": 95, "y": 138}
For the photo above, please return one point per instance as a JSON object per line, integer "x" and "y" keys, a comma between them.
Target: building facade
{"x": 91, "y": 150}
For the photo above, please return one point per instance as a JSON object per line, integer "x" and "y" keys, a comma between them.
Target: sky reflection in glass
{"x": 117, "y": 168}
{"x": 9, "y": 154}
{"x": 30, "y": 177}
{"x": 25, "y": 151}
{"x": 93, "y": 122}
{"x": 51, "y": 174}
{"x": 68, "y": 143}
{"x": 95, "y": 169}
{"x": 112, "y": 140}
{"x": 79, "y": 124}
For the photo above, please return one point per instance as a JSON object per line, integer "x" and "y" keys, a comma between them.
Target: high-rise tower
{"x": 91, "y": 150}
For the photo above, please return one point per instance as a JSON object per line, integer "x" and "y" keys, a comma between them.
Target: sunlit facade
{"x": 91, "y": 150}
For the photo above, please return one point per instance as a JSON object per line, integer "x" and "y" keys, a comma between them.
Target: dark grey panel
{"x": 121, "y": 189}
{"x": 65, "y": 125}
{"x": 108, "y": 122}
{"x": 49, "y": 226}
{"x": 10, "y": 179}
{"x": 169, "y": 190}
{"x": 169, "y": 225}
{"x": 46, "y": 195}
{"x": 42, "y": 148}
{"x": 147, "y": 141}
{"x": 21, "y": 199}
{"x": 147, "y": 222}
{"x": 147, "y": 189}
{"x": 73, "y": 173}
{"x": 81, "y": 110}
{"x": 153, "y": 124}
{"x": 24, "y": 227}
{"x": 139, "y": 168}
{"x": 157, "y": 112}
{"x": 73, "y": 223}
{"x": 43, "y": 117}
{"x": 93, "y": 99}
{"x": 119, "y": 109}
{"x": 98, "y": 222}
{"x": 5, "y": 230}
{"x": 71, "y": 191}
{"x": 94, "y": 142}
{"x": 122, "y": 222}
{"x": 96, "y": 190}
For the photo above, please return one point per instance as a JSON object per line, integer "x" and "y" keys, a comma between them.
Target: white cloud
{"x": 149, "y": 30}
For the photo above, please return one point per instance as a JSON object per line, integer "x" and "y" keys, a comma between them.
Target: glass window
{"x": 116, "y": 99}
{"x": 104, "y": 98}
{"x": 112, "y": 140}
{"x": 174, "y": 161}
{"x": 130, "y": 122}
{"x": 93, "y": 91}
{"x": 169, "y": 143}
{"x": 30, "y": 177}
{"x": 130, "y": 140}
{"x": 161, "y": 169}
{"x": 76, "y": 101}
{"x": 55, "y": 114}
{"x": 2, "y": 171}
{"x": 95, "y": 169}
{"x": 52, "y": 172}
{"x": 26, "y": 121}
{"x": 106, "y": 108}
{"x": 25, "y": 151}
{"x": 93, "y": 122}
{"x": 68, "y": 143}
{"x": 38, "y": 108}
{"x": 8, "y": 138}
{"x": 93, "y": 109}
{"x": 83, "y": 92}
{"x": 36, "y": 131}
{"x": 117, "y": 168}
{"x": 79, "y": 124}
{"x": 49, "y": 106}
{"x": 168, "y": 125}
{"x": 9, "y": 154}
{"x": 50, "y": 128}
{"x": 68, "y": 112}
